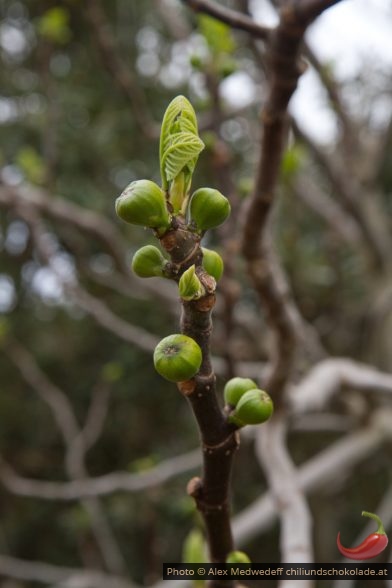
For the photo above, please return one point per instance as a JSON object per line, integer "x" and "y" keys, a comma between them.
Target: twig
{"x": 110, "y": 321}
{"x": 219, "y": 439}
{"x": 29, "y": 571}
{"x": 332, "y": 87}
{"x": 329, "y": 376}
{"x": 337, "y": 219}
{"x": 118, "y": 69}
{"x": 87, "y": 220}
{"x": 282, "y": 55}
{"x": 231, "y": 17}
{"x": 296, "y": 520}
{"x": 96, "y": 415}
{"x": 67, "y": 423}
{"x": 353, "y": 197}
{"x": 102, "y": 485}
{"x": 317, "y": 472}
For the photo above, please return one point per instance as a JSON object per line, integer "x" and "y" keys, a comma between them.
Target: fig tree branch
{"x": 353, "y": 198}
{"x": 102, "y": 485}
{"x": 231, "y": 17}
{"x": 338, "y": 459}
{"x": 284, "y": 69}
{"x": 67, "y": 423}
{"x": 118, "y": 69}
{"x": 36, "y": 571}
{"x": 296, "y": 536}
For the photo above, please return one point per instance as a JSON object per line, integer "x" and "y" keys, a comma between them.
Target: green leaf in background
{"x": 54, "y": 25}
{"x": 112, "y": 371}
{"x": 194, "y": 551}
{"x": 292, "y": 161}
{"x": 217, "y": 34}
{"x": 32, "y": 165}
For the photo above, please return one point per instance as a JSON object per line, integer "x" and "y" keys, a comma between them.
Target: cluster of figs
{"x": 144, "y": 203}
{"x": 178, "y": 358}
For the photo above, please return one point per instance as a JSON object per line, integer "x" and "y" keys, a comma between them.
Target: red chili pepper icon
{"x": 370, "y": 547}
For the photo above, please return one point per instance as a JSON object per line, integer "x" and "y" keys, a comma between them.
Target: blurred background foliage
{"x": 69, "y": 128}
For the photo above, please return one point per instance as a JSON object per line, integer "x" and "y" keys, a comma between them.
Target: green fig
{"x": 237, "y": 557}
{"x": 177, "y": 358}
{"x": 212, "y": 263}
{"x": 148, "y": 262}
{"x": 189, "y": 286}
{"x": 143, "y": 203}
{"x": 208, "y": 208}
{"x": 253, "y": 408}
{"x": 235, "y": 388}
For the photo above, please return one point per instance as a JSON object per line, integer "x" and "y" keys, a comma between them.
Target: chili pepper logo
{"x": 370, "y": 547}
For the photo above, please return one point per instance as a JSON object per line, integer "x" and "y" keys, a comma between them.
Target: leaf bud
{"x": 148, "y": 262}
{"x": 208, "y": 208}
{"x": 237, "y": 557}
{"x": 235, "y": 388}
{"x": 177, "y": 358}
{"x": 143, "y": 203}
{"x": 189, "y": 286}
{"x": 253, "y": 408}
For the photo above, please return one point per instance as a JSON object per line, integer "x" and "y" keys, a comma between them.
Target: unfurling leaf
{"x": 180, "y": 144}
{"x": 189, "y": 286}
{"x": 183, "y": 150}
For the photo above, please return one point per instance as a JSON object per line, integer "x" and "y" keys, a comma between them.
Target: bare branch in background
{"x": 317, "y": 473}
{"x": 118, "y": 69}
{"x": 329, "y": 376}
{"x": 355, "y": 199}
{"x": 331, "y": 85}
{"x": 102, "y": 485}
{"x": 62, "y": 210}
{"x": 231, "y": 17}
{"x": 106, "y": 318}
{"x": 284, "y": 69}
{"x": 296, "y": 521}
{"x": 337, "y": 219}
{"x": 63, "y": 577}
{"x": 66, "y": 420}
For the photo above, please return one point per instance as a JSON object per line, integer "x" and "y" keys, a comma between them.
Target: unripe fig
{"x": 177, "y": 358}
{"x": 235, "y": 388}
{"x": 148, "y": 262}
{"x": 253, "y": 408}
{"x": 189, "y": 286}
{"x": 212, "y": 263}
{"x": 208, "y": 208}
{"x": 143, "y": 203}
{"x": 237, "y": 557}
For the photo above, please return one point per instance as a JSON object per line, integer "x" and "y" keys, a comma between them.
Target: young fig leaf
{"x": 189, "y": 286}
{"x": 179, "y": 148}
